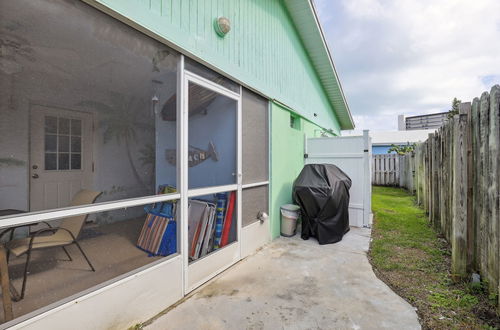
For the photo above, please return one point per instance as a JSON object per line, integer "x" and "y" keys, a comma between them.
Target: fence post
{"x": 432, "y": 191}
{"x": 451, "y": 184}
{"x": 476, "y": 179}
{"x": 420, "y": 175}
{"x": 412, "y": 171}
{"x": 367, "y": 187}
{"x": 465, "y": 109}
{"x": 382, "y": 170}
{"x": 425, "y": 173}
{"x": 493, "y": 193}
{"x": 435, "y": 182}
{"x": 459, "y": 224}
{"x": 430, "y": 145}
{"x": 483, "y": 151}
{"x": 401, "y": 169}
{"x": 443, "y": 180}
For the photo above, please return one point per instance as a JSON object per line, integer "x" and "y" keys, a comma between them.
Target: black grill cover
{"x": 322, "y": 192}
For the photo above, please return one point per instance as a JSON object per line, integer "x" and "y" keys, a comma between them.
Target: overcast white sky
{"x": 411, "y": 56}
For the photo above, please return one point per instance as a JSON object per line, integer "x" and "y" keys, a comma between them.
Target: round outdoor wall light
{"x": 222, "y": 26}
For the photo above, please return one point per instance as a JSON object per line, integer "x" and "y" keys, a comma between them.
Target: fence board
{"x": 493, "y": 187}
{"x": 476, "y": 178}
{"x": 459, "y": 227}
{"x": 465, "y": 109}
{"x": 443, "y": 205}
{"x": 483, "y": 150}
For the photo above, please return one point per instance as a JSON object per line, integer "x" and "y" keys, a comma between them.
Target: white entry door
{"x": 60, "y": 156}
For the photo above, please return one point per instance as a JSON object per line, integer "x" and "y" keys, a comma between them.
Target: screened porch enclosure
{"x": 80, "y": 114}
{"x": 54, "y": 277}
{"x": 174, "y": 154}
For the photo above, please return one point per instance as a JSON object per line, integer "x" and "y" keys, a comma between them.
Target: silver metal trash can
{"x": 289, "y": 215}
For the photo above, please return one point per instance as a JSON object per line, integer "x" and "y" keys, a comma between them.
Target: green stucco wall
{"x": 263, "y": 49}
{"x": 287, "y": 159}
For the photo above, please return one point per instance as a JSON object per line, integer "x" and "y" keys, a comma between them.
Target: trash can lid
{"x": 290, "y": 207}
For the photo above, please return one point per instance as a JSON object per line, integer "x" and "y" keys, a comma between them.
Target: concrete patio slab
{"x": 296, "y": 284}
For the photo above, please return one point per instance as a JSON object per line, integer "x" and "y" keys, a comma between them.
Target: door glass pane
{"x": 51, "y": 143}
{"x": 76, "y": 144}
{"x": 63, "y": 145}
{"x": 63, "y": 163}
{"x": 63, "y": 126}
{"x": 50, "y": 161}
{"x": 76, "y": 161}
{"x": 212, "y": 138}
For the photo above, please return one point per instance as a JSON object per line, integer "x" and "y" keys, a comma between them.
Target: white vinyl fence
{"x": 352, "y": 155}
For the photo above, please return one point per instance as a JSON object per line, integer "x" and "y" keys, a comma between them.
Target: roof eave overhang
{"x": 305, "y": 18}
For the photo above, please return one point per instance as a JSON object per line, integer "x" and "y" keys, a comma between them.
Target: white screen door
{"x": 212, "y": 143}
{"x": 60, "y": 156}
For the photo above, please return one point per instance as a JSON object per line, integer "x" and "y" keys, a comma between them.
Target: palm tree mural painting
{"x": 121, "y": 123}
{"x": 148, "y": 158}
{"x": 124, "y": 119}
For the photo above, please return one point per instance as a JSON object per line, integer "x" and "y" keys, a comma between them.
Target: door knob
{"x": 35, "y": 176}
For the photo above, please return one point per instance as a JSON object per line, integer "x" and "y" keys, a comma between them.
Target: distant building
{"x": 383, "y": 140}
{"x": 422, "y": 122}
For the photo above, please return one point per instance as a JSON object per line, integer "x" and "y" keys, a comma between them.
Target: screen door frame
{"x": 200, "y": 271}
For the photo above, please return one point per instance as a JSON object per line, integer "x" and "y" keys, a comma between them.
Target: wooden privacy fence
{"x": 385, "y": 170}
{"x": 455, "y": 176}
{"x": 392, "y": 170}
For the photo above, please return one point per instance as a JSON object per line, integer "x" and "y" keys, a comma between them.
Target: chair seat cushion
{"x": 20, "y": 246}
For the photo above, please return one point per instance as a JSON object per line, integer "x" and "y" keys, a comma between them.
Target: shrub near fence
{"x": 455, "y": 175}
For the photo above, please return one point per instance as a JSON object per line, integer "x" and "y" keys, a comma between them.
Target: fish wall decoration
{"x": 195, "y": 155}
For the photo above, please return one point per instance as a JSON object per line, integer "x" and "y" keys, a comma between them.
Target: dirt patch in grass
{"x": 414, "y": 261}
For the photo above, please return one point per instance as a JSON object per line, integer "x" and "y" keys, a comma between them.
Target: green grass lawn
{"x": 411, "y": 258}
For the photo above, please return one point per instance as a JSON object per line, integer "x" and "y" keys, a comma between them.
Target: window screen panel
{"x": 254, "y": 200}
{"x": 255, "y": 138}
{"x": 89, "y": 102}
{"x": 111, "y": 248}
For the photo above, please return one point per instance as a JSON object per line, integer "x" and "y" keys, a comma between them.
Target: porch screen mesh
{"x": 254, "y": 200}
{"x": 255, "y": 155}
{"x": 255, "y": 138}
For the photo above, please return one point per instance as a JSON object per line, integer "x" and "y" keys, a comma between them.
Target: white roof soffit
{"x": 303, "y": 14}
